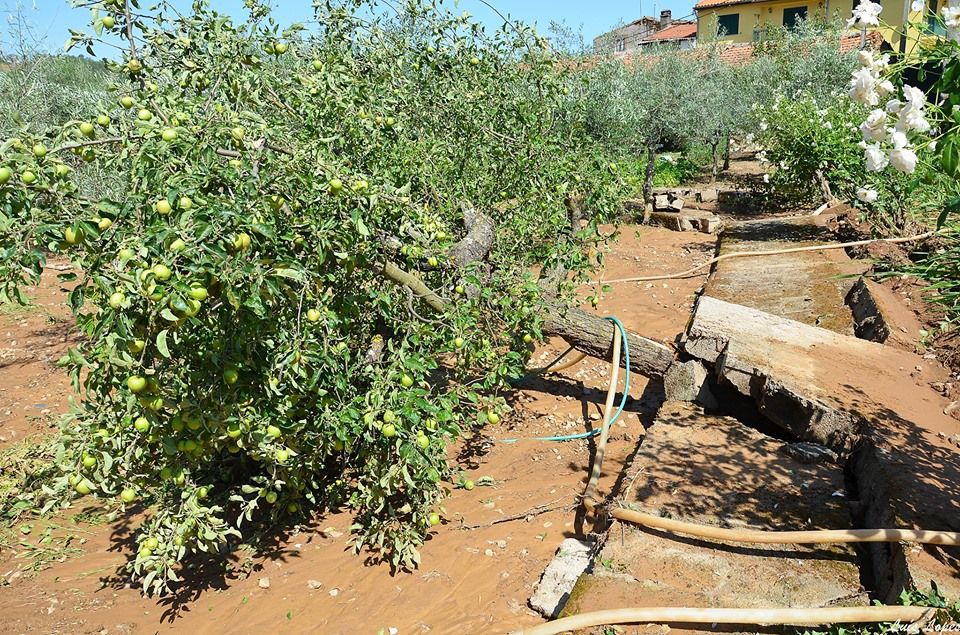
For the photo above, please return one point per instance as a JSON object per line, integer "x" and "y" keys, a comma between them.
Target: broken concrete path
{"x": 715, "y": 470}
{"x": 803, "y": 286}
{"x": 848, "y": 393}
{"x": 879, "y": 316}
{"x": 783, "y": 363}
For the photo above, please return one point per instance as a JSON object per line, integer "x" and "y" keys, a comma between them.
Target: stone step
{"x": 810, "y": 287}
{"x": 851, "y": 395}
{"x": 715, "y": 470}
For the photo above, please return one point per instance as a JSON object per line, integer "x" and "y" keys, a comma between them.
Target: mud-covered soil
{"x": 471, "y": 580}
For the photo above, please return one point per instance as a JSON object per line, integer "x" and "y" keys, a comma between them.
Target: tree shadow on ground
{"x": 214, "y": 571}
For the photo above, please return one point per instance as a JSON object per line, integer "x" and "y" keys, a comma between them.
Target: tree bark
{"x": 651, "y": 169}
{"x": 478, "y": 242}
{"x": 593, "y": 335}
{"x": 726, "y": 154}
{"x": 413, "y": 282}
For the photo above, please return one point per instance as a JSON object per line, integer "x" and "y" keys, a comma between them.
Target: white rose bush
{"x": 889, "y": 142}
{"x": 909, "y": 128}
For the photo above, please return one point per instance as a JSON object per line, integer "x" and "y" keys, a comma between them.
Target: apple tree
{"x": 316, "y": 268}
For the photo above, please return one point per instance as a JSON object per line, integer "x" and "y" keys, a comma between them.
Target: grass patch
{"x": 949, "y": 614}
{"x": 673, "y": 171}
{"x": 24, "y": 466}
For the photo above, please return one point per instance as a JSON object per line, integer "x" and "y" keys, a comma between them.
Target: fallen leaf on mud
{"x": 332, "y": 532}
{"x": 314, "y": 584}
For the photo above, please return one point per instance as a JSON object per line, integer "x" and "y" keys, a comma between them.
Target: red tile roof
{"x": 707, "y": 4}
{"x": 679, "y": 31}
{"x": 737, "y": 54}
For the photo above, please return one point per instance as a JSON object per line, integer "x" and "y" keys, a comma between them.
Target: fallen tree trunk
{"x": 585, "y": 332}
{"x": 592, "y": 335}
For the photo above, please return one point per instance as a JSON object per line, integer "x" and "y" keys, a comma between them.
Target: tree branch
{"x": 481, "y": 232}
{"x": 415, "y": 284}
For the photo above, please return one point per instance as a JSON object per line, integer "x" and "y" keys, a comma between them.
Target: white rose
{"x": 904, "y": 160}
{"x": 914, "y": 96}
{"x": 875, "y": 158}
{"x": 912, "y": 119}
{"x": 867, "y": 195}
{"x": 897, "y": 139}
{"x": 866, "y": 14}
{"x": 863, "y": 87}
{"x": 951, "y": 17}
{"x": 874, "y": 128}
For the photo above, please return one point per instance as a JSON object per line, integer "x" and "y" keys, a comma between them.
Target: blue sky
{"x": 50, "y": 19}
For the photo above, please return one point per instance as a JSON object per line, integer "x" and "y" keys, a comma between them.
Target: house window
{"x": 728, "y": 24}
{"x": 621, "y": 45}
{"x": 794, "y": 15}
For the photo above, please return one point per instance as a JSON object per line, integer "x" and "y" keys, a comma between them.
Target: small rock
{"x": 807, "y": 452}
{"x": 314, "y": 584}
{"x": 263, "y": 583}
{"x": 952, "y": 409}
{"x": 488, "y": 552}
{"x": 334, "y": 592}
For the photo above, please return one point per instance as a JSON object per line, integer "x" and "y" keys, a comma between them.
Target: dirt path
{"x": 471, "y": 581}
{"x": 33, "y": 390}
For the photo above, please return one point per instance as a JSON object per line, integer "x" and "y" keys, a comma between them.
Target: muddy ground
{"x": 471, "y": 581}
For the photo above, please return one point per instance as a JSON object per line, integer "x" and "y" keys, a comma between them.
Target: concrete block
{"x": 689, "y": 381}
{"x": 878, "y": 316}
{"x": 676, "y": 204}
{"x": 661, "y": 202}
{"x": 570, "y": 562}
{"x": 708, "y": 195}
{"x": 710, "y": 225}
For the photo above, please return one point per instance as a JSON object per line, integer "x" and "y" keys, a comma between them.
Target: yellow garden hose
{"x": 554, "y": 367}
{"x": 791, "y": 617}
{"x": 819, "y": 536}
{"x": 605, "y": 427}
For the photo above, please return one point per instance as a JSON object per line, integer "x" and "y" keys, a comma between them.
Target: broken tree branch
{"x": 587, "y": 333}
{"x": 534, "y": 511}
{"x": 415, "y": 284}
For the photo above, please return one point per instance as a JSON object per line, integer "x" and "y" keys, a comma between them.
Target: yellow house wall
{"x": 756, "y": 15}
